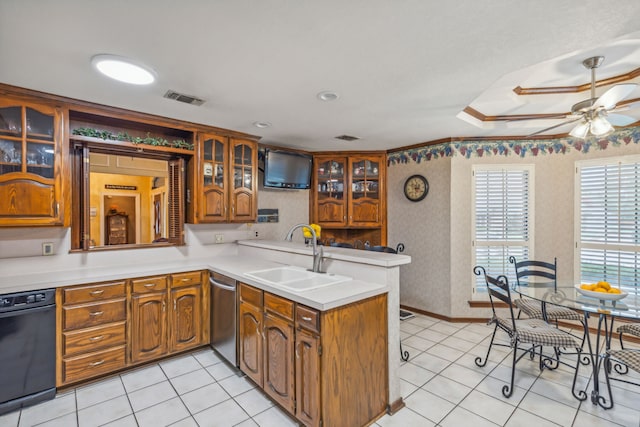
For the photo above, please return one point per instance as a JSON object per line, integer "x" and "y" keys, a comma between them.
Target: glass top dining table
{"x": 567, "y": 295}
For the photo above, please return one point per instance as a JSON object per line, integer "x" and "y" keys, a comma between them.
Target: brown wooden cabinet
{"x": 349, "y": 197}
{"x": 187, "y": 315}
{"x": 105, "y": 327}
{"x": 33, "y": 178}
{"x": 325, "y": 368}
{"x": 149, "y": 335}
{"x": 250, "y": 333}
{"x": 116, "y": 229}
{"x": 225, "y": 180}
{"x": 91, "y": 330}
{"x": 279, "y": 346}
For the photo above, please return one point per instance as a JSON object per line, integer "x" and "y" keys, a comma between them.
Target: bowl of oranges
{"x": 601, "y": 290}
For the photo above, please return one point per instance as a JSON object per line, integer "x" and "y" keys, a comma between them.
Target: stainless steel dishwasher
{"x": 27, "y": 348}
{"x": 224, "y": 316}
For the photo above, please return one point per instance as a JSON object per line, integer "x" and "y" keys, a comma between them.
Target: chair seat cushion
{"x": 533, "y": 309}
{"x": 538, "y": 332}
{"x": 631, "y": 358}
{"x": 630, "y": 328}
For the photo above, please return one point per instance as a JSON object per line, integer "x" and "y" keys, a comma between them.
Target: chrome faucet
{"x": 317, "y": 250}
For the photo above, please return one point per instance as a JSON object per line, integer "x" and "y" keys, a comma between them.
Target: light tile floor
{"x": 441, "y": 386}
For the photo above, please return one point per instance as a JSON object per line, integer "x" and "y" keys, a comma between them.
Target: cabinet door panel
{"x": 186, "y": 318}
{"x": 278, "y": 361}
{"x": 307, "y": 378}
{"x": 214, "y": 205}
{"x": 332, "y": 213}
{"x": 149, "y": 326}
{"x": 365, "y": 212}
{"x": 250, "y": 334}
{"x": 19, "y": 197}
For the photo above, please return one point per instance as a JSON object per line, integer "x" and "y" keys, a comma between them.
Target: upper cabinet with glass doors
{"x": 31, "y": 167}
{"x": 226, "y": 181}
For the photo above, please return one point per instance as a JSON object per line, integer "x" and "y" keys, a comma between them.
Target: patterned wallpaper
{"x": 437, "y": 230}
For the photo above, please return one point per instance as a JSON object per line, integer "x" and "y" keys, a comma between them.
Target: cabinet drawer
{"x": 186, "y": 279}
{"x": 250, "y": 295}
{"x": 86, "y": 340}
{"x": 149, "y": 284}
{"x": 93, "y": 364}
{"x": 307, "y": 318}
{"x": 95, "y": 292}
{"x": 278, "y": 305}
{"x": 86, "y": 315}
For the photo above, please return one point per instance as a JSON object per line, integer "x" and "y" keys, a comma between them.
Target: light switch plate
{"x": 219, "y": 238}
{"x": 47, "y": 248}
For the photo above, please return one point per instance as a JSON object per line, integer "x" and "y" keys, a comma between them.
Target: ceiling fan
{"x": 596, "y": 116}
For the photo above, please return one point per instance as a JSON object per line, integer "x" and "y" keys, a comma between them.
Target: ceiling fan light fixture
{"x": 600, "y": 127}
{"x": 581, "y": 130}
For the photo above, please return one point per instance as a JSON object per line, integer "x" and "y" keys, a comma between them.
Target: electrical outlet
{"x": 47, "y": 248}
{"x": 256, "y": 234}
{"x": 219, "y": 238}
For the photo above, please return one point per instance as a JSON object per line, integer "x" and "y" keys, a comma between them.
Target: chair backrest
{"x": 498, "y": 287}
{"x": 531, "y": 268}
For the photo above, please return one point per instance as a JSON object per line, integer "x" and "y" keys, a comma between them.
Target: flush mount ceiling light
{"x": 123, "y": 69}
{"x": 327, "y": 95}
{"x": 262, "y": 125}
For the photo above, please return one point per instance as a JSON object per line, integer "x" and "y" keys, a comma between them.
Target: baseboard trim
{"x": 395, "y": 406}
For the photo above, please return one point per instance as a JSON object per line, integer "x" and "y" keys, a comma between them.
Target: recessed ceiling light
{"x": 327, "y": 95}
{"x": 262, "y": 125}
{"x": 123, "y": 69}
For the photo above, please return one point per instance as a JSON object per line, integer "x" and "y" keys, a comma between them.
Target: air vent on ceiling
{"x": 347, "y": 137}
{"x": 188, "y": 99}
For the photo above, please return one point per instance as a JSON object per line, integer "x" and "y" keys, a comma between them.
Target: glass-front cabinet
{"x": 331, "y": 203}
{"x": 244, "y": 195}
{"x": 227, "y": 180}
{"x": 348, "y": 198}
{"x": 213, "y": 176}
{"x": 31, "y": 190}
{"x": 364, "y": 203}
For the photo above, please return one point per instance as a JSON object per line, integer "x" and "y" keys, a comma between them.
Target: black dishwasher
{"x": 27, "y": 348}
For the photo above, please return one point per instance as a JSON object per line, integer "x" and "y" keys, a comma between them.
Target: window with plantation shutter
{"x": 608, "y": 217}
{"x": 502, "y": 218}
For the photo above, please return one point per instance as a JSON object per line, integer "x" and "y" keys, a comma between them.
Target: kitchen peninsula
{"x": 374, "y": 275}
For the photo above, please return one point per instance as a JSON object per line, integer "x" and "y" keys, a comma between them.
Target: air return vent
{"x": 347, "y": 137}
{"x": 188, "y": 99}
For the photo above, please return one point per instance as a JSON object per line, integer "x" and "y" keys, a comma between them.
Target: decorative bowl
{"x": 601, "y": 295}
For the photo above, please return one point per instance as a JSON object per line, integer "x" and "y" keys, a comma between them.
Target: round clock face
{"x": 416, "y": 188}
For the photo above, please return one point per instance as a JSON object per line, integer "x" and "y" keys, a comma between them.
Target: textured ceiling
{"x": 404, "y": 70}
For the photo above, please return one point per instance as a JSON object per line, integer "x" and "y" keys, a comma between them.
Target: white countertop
{"x": 324, "y": 298}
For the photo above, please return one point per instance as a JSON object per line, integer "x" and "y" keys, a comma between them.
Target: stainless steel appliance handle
{"x": 222, "y": 286}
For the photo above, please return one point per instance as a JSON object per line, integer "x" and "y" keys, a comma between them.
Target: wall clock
{"x": 416, "y": 188}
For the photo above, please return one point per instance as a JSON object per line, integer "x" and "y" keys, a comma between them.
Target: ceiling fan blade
{"x": 611, "y": 97}
{"x": 620, "y": 119}
{"x": 627, "y": 105}
{"x": 555, "y": 126}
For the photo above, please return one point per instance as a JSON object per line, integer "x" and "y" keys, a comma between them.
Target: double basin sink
{"x": 296, "y": 279}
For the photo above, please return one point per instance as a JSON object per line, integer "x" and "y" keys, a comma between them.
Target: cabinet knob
{"x": 96, "y": 292}
{"x": 149, "y": 285}
{"x": 306, "y": 319}
{"x": 98, "y": 338}
{"x": 96, "y": 313}
{"x": 98, "y": 363}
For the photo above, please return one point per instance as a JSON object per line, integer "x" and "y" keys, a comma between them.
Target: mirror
{"x": 128, "y": 200}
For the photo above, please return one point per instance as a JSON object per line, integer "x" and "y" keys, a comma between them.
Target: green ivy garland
{"x": 123, "y": 136}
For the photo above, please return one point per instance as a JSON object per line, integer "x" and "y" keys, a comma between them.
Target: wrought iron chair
{"x": 622, "y": 360}
{"x": 534, "y": 333}
{"x": 535, "y": 309}
{"x": 628, "y": 328}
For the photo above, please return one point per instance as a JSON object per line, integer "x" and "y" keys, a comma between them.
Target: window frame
{"x": 612, "y": 246}
{"x": 80, "y": 172}
{"x": 478, "y": 288}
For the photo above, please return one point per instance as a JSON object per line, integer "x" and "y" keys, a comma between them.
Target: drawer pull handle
{"x": 98, "y": 338}
{"x": 186, "y": 280}
{"x": 306, "y": 319}
{"x": 149, "y": 285}
{"x": 96, "y": 292}
{"x": 98, "y": 363}
{"x": 96, "y": 313}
